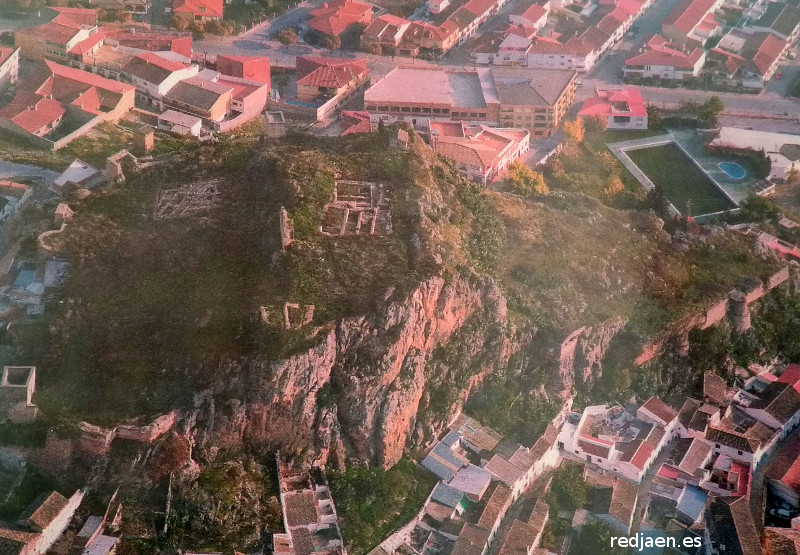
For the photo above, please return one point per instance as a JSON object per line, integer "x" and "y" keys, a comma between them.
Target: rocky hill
{"x": 180, "y": 280}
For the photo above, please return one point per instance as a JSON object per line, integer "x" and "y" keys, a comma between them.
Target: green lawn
{"x": 671, "y": 170}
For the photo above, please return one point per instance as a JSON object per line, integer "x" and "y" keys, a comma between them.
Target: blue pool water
{"x": 733, "y": 170}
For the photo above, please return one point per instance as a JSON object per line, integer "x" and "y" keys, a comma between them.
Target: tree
{"x": 287, "y": 37}
{"x": 758, "y": 209}
{"x": 595, "y": 537}
{"x": 709, "y": 348}
{"x": 793, "y": 176}
{"x": 568, "y": 490}
{"x": 180, "y": 23}
{"x": 658, "y": 202}
{"x": 595, "y": 124}
{"x": 332, "y": 42}
{"x": 281, "y": 82}
{"x": 710, "y": 111}
{"x": 614, "y": 187}
{"x": 372, "y": 48}
{"x": 525, "y": 181}
{"x": 575, "y": 130}
{"x": 607, "y": 162}
{"x": 655, "y": 116}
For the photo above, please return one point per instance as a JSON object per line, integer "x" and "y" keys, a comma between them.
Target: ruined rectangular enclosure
{"x": 357, "y": 208}
{"x": 191, "y": 199}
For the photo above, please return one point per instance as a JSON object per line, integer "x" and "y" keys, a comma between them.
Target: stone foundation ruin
{"x": 357, "y": 208}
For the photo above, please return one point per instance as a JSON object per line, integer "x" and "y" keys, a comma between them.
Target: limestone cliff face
{"x": 359, "y": 391}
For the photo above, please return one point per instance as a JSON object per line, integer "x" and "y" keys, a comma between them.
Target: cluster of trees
{"x": 579, "y": 170}
{"x": 706, "y": 113}
{"x": 287, "y": 37}
{"x": 526, "y": 182}
{"x": 221, "y": 28}
{"x": 113, "y": 15}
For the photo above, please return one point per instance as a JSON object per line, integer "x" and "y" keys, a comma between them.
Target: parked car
{"x": 779, "y": 75}
{"x": 781, "y": 513}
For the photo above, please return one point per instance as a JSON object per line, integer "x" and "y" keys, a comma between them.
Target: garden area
{"x": 687, "y": 188}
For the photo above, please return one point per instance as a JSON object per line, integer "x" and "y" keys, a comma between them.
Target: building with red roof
{"x": 319, "y": 77}
{"x": 618, "y": 107}
{"x": 385, "y": 32}
{"x": 682, "y": 23}
{"x": 533, "y": 15}
{"x": 153, "y": 40}
{"x": 749, "y": 59}
{"x": 198, "y": 10}
{"x": 783, "y": 475}
{"x": 250, "y": 68}
{"x": 9, "y": 66}
{"x": 154, "y": 76}
{"x": 54, "y": 39}
{"x": 352, "y": 122}
{"x": 663, "y": 62}
{"x": 337, "y": 16}
{"x": 42, "y": 102}
{"x": 481, "y": 153}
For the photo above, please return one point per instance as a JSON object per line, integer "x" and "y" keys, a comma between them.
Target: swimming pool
{"x": 732, "y": 169}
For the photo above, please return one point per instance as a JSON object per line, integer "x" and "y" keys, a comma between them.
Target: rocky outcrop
{"x": 582, "y": 353}
{"x": 358, "y": 391}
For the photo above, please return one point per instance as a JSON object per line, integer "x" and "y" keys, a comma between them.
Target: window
{"x": 416, "y": 109}
{"x": 738, "y": 452}
{"x": 405, "y": 109}
{"x": 716, "y": 445}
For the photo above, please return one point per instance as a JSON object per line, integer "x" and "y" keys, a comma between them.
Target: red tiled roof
{"x": 355, "y": 122}
{"x": 88, "y": 78}
{"x": 636, "y": 452}
{"x": 688, "y": 14}
{"x": 45, "y": 112}
{"x": 610, "y": 104}
{"x": 207, "y": 8}
{"x": 335, "y": 17}
{"x": 532, "y": 13}
{"x": 5, "y": 53}
{"x": 83, "y": 16}
{"x": 252, "y": 68}
{"x": 479, "y": 7}
{"x": 768, "y": 52}
{"x": 594, "y": 449}
{"x": 786, "y": 466}
{"x": 609, "y": 24}
{"x": 653, "y": 405}
{"x": 791, "y": 376}
{"x": 88, "y": 43}
{"x": 328, "y": 72}
{"x": 666, "y": 57}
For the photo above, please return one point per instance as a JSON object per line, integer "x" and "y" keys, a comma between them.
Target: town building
{"x": 533, "y": 16}
{"x": 615, "y": 505}
{"x": 351, "y": 122}
{"x": 9, "y": 66}
{"x": 481, "y": 153}
{"x": 614, "y": 440}
{"x": 249, "y": 68}
{"x": 741, "y": 437}
{"x": 210, "y": 100}
{"x": 662, "y": 61}
{"x": 201, "y": 11}
{"x": 730, "y": 527}
{"x": 386, "y": 33}
{"x": 782, "y": 19}
{"x": 783, "y": 474}
{"x": 508, "y": 97}
{"x": 323, "y": 84}
{"x": 40, "y": 525}
{"x": 618, "y": 108}
{"x": 692, "y": 21}
{"x": 78, "y": 174}
{"x": 310, "y": 520}
{"x": 179, "y": 123}
{"x": 749, "y": 59}
{"x": 62, "y": 104}
{"x": 55, "y": 38}
{"x": 336, "y": 17}
{"x": 154, "y": 75}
